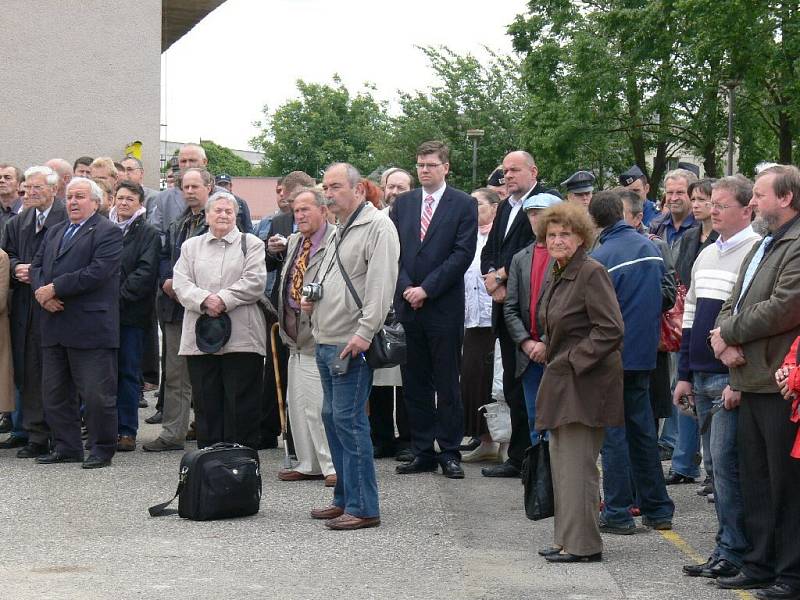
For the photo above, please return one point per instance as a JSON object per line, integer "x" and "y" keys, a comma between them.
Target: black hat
{"x": 580, "y": 181}
{"x": 222, "y": 178}
{"x": 631, "y": 175}
{"x": 212, "y": 333}
{"x": 496, "y": 178}
{"x": 691, "y": 167}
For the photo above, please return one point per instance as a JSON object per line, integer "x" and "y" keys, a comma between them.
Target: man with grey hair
{"x": 672, "y": 225}
{"x": 305, "y": 251}
{"x": 195, "y": 186}
{"x": 25, "y": 234}
{"x": 65, "y": 174}
{"x": 75, "y": 278}
{"x": 367, "y": 253}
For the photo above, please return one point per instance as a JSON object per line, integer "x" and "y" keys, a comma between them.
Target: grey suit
{"x": 516, "y": 309}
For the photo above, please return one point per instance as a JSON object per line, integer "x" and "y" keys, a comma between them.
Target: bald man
{"x": 64, "y": 171}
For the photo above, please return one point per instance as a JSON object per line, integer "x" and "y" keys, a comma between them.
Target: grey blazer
{"x": 516, "y": 308}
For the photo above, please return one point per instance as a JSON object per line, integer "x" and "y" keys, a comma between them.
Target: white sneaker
{"x": 486, "y": 451}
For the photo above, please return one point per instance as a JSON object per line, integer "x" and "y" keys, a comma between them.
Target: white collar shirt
{"x": 437, "y": 195}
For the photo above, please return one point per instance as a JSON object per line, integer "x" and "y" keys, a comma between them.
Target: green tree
{"x": 223, "y": 160}
{"x": 325, "y": 124}
{"x": 468, "y": 94}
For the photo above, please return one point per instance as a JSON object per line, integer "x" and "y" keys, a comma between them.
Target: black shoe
{"x": 743, "y": 581}
{"x": 383, "y": 452}
{"x": 697, "y": 570}
{"x": 5, "y": 424}
{"x": 505, "y": 469}
{"x": 473, "y": 443}
{"x": 706, "y": 488}
{"x": 779, "y": 591}
{"x": 674, "y": 478}
{"x": 142, "y": 402}
{"x": 56, "y": 457}
{"x": 723, "y": 568}
{"x": 404, "y": 455}
{"x": 452, "y": 469}
{"x": 572, "y": 558}
{"x": 13, "y": 441}
{"x": 665, "y": 453}
{"x": 664, "y": 525}
{"x": 548, "y": 550}
{"x": 155, "y": 418}
{"x": 95, "y": 462}
{"x": 617, "y": 529}
{"x": 418, "y": 465}
{"x": 32, "y": 450}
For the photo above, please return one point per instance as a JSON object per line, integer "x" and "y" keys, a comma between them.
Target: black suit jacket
{"x": 282, "y": 224}
{"x": 501, "y": 248}
{"x": 141, "y": 249}
{"x": 22, "y": 242}
{"x": 85, "y": 274}
{"x": 437, "y": 263}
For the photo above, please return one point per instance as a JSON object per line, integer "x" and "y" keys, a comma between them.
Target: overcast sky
{"x": 248, "y": 53}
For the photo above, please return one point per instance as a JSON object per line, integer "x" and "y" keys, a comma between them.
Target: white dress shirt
{"x": 437, "y": 195}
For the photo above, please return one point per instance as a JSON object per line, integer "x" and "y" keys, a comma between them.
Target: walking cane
{"x": 273, "y": 335}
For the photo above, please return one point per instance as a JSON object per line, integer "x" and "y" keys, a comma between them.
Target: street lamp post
{"x": 731, "y": 87}
{"x": 474, "y": 135}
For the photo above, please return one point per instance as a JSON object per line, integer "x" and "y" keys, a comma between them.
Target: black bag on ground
{"x": 218, "y": 482}
{"x": 537, "y": 479}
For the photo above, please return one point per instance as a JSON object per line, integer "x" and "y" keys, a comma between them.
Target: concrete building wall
{"x": 80, "y": 77}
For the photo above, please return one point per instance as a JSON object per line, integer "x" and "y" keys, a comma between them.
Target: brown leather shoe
{"x": 329, "y": 512}
{"x": 330, "y": 480}
{"x": 292, "y": 475}
{"x": 126, "y": 443}
{"x": 347, "y": 522}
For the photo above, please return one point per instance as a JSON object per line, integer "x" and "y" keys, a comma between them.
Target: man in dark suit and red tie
{"x": 75, "y": 275}
{"x": 437, "y": 227}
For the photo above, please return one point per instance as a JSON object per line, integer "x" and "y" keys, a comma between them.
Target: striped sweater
{"x": 714, "y": 274}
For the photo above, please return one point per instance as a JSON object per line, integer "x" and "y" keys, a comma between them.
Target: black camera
{"x": 312, "y": 292}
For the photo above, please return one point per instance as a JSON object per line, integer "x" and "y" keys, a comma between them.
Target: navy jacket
{"x": 636, "y": 269}
{"x": 439, "y": 262}
{"x": 85, "y": 273}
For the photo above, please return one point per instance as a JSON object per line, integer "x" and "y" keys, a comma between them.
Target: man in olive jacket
{"x": 755, "y": 329}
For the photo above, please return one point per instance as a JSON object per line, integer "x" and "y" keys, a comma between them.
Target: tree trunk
{"x": 710, "y": 161}
{"x": 659, "y": 169}
{"x": 785, "y": 138}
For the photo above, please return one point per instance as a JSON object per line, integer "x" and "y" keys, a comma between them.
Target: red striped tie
{"x": 427, "y": 215}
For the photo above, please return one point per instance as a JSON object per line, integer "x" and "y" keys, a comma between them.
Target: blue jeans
{"x": 531, "y": 378}
{"x": 344, "y": 413}
{"x": 707, "y": 389}
{"x": 129, "y": 366}
{"x": 633, "y": 450}
{"x": 728, "y": 502}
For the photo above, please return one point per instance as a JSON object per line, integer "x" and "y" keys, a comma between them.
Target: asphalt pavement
{"x": 70, "y": 533}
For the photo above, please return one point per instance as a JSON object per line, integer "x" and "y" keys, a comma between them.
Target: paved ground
{"x": 75, "y": 534}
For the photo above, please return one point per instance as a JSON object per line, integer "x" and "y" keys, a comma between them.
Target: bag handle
{"x": 161, "y": 510}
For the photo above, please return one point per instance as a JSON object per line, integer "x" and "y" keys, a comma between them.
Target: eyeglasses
{"x": 720, "y": 207}
{"x": 429, "y": 166}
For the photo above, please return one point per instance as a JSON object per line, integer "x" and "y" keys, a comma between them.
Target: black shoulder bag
{"x": 388, "y": 347}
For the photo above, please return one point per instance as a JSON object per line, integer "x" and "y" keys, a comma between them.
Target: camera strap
{"x": 339, "y": 238}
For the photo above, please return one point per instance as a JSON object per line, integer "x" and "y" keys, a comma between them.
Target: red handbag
{"x": 672, "y": 323}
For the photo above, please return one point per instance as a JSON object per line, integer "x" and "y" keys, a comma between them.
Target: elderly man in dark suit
{"x": 511, "y": 232}
{"x": 437, "y": 226}
{"x": 24, "y": 236}
{"x": 75, "y": 275}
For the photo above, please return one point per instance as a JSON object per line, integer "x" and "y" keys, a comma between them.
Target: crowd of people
{"x": 625, "y": 330}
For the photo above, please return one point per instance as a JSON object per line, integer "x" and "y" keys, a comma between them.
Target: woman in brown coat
{"x": 581, "y": 389}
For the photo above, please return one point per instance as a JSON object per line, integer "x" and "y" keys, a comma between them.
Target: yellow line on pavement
{"x": 681, "y": 544}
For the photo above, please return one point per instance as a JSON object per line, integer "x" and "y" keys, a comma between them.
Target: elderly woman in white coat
{"x": 223, "y": 271}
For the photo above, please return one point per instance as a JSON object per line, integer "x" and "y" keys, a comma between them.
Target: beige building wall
{"x": 80, "y": 77}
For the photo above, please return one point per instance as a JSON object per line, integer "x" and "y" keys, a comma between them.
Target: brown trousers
{"x": 574, "y": 449}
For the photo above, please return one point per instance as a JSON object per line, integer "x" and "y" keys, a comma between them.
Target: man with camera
{"x": 364, "y": 251}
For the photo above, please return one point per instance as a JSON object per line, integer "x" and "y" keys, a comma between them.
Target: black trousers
{"x": 512, "y": 390}
{"x": 33, "y": 421}
{"x": 93, "y": 373}
{"x": 270, "y": 426}
{"x": 226, "y": 393}
{"x": 431, "y": 391}
{"x": 770, "y": 480}
{"x": 150, "y": 357}
{"x": 382, "y": 417}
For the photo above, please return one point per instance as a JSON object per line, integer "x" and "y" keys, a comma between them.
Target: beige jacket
{"x": 305, "y": 343}
{"x": 370, "y": 253}
{"x": 211, "y": 266}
